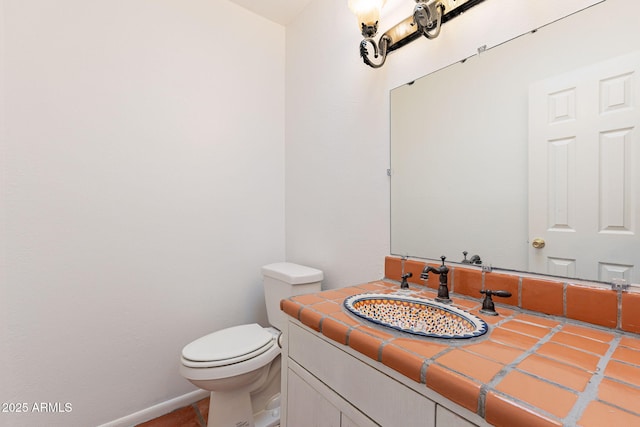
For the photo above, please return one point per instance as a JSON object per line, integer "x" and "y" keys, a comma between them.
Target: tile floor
{"x": 194, "y": 415}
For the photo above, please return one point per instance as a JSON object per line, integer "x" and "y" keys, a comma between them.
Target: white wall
{"x": 142, "y": 190}
{"x": 337, "y": 190}
{"x": 337, "y": 140}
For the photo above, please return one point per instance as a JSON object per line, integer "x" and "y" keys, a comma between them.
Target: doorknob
{"x": 538, "y": 243}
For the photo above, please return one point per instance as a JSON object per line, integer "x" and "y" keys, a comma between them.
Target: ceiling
{"x": 279, "y": 11}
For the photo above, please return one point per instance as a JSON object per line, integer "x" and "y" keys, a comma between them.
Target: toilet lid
{"x": 237, "y": 343}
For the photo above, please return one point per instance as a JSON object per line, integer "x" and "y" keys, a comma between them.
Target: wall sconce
{"x": 426, "y": 20}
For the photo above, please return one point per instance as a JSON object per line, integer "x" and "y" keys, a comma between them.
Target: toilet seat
{"x": 228, "y": 346}
{"x": 229, "y": 368}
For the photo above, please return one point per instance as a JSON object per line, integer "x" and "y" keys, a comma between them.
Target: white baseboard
{"x": 158, "y": 410}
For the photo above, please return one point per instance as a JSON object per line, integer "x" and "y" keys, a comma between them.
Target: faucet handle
{"x": 488, "y": 307}
{"x": 503, "y": 294}
{"x": 404, "y": 284}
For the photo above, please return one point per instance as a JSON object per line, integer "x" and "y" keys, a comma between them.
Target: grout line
{"x": 423, "y": 371}
{"x": 380, "y": 348}
{"x": 528, "y": 406}
{"x": 590, "y": 393}
{"x": 623, "y": 382}
{"x": 619, "y": 318}
{"x": 348, "y": 335}
{"x": 491, "y": 385}
{"x": 201, "y": 419}
{"x": 564, "y": 299}
{"x": 482, "y": 399}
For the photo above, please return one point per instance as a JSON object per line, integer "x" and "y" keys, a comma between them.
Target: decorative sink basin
{"x": 418, "y": 316}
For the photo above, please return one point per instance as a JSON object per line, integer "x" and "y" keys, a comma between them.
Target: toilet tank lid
{"x": 293, "y": 274}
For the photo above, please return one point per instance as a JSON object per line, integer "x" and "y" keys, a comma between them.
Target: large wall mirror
{"x": 460, "y": 160}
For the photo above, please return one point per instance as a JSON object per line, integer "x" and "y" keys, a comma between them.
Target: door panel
{"x": 584, "y": 178}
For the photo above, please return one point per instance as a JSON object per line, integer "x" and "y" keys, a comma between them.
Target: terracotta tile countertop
{"x": 527, "y": 370}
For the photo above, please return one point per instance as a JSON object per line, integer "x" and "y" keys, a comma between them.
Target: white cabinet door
{"x": 584, "y": 171}
{"x": 308, "y": 408}
{"x": 348, "y": 422}
{"x": 446, "y": 418}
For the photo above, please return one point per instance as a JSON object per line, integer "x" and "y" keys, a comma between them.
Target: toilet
{"x": 240, "y": 365}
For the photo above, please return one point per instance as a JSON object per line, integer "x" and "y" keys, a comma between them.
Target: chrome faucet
{"x": 443, "y": 290}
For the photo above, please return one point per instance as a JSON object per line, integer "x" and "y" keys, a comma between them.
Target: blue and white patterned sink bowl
{"x": 418, "y": 316}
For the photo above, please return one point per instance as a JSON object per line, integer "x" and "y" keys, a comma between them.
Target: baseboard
{"x": 158, "y": 410}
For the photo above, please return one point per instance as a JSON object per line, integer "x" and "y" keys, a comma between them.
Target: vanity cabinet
{"x": 307, "y": 406}
{"x": 311, "y": 404}
{"x": 326, "y": 385}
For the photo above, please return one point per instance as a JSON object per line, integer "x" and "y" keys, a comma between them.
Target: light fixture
{"x": 426, "y": 20}
{"x": 368, "y": 13}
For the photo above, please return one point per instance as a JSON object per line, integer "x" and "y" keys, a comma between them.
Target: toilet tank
{"x": 283, "y": 280}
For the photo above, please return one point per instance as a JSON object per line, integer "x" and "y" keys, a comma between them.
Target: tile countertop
{"x": 528, "y": 369}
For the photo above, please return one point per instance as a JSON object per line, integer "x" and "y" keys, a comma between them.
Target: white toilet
{"x": 241, "y": 365}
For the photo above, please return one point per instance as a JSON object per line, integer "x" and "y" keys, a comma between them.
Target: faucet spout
{"x": 443, "y": 290}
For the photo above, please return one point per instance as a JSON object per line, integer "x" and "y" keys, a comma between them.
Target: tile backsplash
{"x": 592, "y": 304}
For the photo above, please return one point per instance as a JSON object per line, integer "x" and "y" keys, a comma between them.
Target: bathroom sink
{"x": 418, "y": 316}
